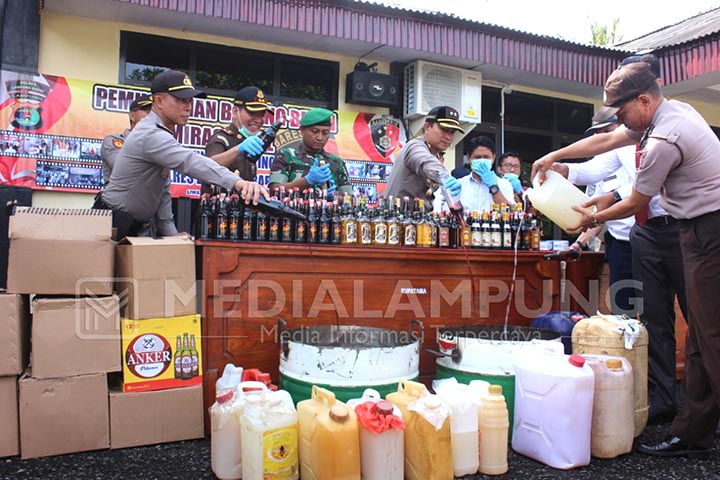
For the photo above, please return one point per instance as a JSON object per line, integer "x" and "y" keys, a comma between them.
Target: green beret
{"x": 316, "y": 116}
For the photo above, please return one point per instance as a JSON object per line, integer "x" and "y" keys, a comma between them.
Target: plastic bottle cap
{"x": 614, "y": 364}
{"x": 339, "y": 413}
{"x": 432, "y": 402}
{"x": 384, "y": 407}
{"x": 495, "y": 390}
{"x": 224, "y": 396}
{"x": 576, "y": 360}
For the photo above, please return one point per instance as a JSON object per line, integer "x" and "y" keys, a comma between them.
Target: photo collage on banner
{"x": 51, "y": 131}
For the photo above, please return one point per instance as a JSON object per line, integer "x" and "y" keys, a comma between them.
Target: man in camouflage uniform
{"x": 300, "y": 167}
{"x": 229, "y": 145}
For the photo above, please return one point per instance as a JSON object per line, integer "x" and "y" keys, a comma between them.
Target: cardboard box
{"x": 63, "y": 415}
{"x": 158, "y": 353}
{"x": 160, "y": 416}
{"x": 9, "y": 433}
{"x": 156, "y": 277}
{"x": 60, "y": 251}
{"x": 75, "y": 336}
{"x": 14, "y": 334}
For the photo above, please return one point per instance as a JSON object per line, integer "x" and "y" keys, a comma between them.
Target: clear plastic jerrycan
{"x": 428, "y": 446}
{"x": 613, "y": 426}
{"x": 225, "y": 436}
{"x": 555, "y": 198}
{"x": 619, "y": 336}
{"x": 494, "y": 428}
{"x": 269, "y": 433}
{"x": 463, "y": 425}
{"x": 381, "y": 437}
{"x": 329, "y": 438}
{"x": 553, "y": 408}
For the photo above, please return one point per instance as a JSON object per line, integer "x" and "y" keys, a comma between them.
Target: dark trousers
{"x": 619, "y": 257}
{"x": 658, "y": 266}
{"x": 123, "y": 223}
{"x": 700, "y": 242}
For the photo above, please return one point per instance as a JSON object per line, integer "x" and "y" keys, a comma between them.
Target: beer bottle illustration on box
{"x": 195, "y": 361}
{"x": 177, "y": 359}
{"x": 186, "y": 359}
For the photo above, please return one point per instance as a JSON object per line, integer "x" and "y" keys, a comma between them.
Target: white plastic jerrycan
{"x": 381, "y": 437}
{"x": 463, "y": 426}
{"x": 553, "y": 408}
{"x": 555, "y": 198}
{"x": 225, "y": 440}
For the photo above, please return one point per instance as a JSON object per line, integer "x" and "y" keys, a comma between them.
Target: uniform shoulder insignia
{"x": 226, "y": 130}
{"x": 117, "y": 143}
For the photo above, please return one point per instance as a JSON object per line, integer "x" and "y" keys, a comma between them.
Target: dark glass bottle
{"x": 234, "y": 217}
{"x": 267, "y": 136}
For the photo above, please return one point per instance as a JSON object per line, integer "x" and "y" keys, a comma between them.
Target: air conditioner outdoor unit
{"x": 429, "y": 85}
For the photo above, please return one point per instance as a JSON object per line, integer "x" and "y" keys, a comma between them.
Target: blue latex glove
{"x": 251, "y": 146}
{"x": 483, "y": 168}
{"x": 331, "y": 187}
{"x": 514, "y": 181}
{"x": 317, "y": 174}
{"x": 453, "y": 186}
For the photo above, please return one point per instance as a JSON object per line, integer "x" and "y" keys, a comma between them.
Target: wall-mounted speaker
{"x": 370, "y": 88}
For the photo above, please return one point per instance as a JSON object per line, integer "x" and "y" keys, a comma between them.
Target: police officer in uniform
{"x": 419, "y": 164}
{"x": 229, "y": 145}
{"x": 680, "y": 159}
{"x": 138, "y": 192}
{"x": 300, "y": 167}
{"x": 112, "y": 144}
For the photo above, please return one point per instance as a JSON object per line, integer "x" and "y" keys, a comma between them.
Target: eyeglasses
{"x": 510, "y": 166}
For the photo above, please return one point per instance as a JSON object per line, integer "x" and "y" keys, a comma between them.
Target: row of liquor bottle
{"x": 186, "y": 359}
{"x": 392, "y": 222}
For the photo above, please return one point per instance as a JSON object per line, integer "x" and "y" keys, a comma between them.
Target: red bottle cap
{"x": 224, "y": 396}
{"x": 576, "y": 360}
{"x": 384, "y": 407}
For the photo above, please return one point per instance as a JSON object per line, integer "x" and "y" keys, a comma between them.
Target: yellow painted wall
{"x": 89, "y": 49}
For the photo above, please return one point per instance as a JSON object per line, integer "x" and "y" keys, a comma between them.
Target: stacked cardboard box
{"x": 63, "y": 395}
{"x": 14, "y": 351}
{"x": 61, "y": 401}
{"x": 161, "y": 348}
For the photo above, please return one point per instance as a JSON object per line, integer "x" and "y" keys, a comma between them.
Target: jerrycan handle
{"x": 370, "y": 394}
{"x": 414, "y": 389}
{"x": 323, "y": 395}
{"x": 252, "y": 387}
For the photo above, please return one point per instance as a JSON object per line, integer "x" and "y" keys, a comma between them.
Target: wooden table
{"x": 249, "y": 286}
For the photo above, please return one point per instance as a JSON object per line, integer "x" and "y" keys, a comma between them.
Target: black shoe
{"x": 656, "y": 418}
{"x": 674, "y": 447}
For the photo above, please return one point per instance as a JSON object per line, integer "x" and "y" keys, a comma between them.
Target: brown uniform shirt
{"x": 681, "y": 160}
{"x": 414, "y": 165}
{"x": 223, "y": 140}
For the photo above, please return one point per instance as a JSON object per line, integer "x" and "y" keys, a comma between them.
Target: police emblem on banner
{"x": 385, "y": 134}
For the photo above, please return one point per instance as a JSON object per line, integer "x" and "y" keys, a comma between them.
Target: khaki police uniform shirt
{"x": 681, "y": 160}
{"x": 111, "y": 146}
{"x": 292, "y": 163}
{"x": 415, "y": 163}
{"x": 140, "y": 182}
{"x": 223, "y": 140}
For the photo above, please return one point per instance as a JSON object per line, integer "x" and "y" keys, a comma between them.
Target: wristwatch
{"x": 494, "y": 189}
{"x": 617, "y": 196}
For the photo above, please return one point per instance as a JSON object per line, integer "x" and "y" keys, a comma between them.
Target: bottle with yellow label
{"x": 269, "y": 437}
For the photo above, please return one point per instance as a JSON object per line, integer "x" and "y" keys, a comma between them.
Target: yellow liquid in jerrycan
{"x": 329, "y": 438}
{"x": 428, "y": 452}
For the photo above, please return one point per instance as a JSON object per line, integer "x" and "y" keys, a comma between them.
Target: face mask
{"x": 510, "y": 176}
{"x": 479, "y": 161}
